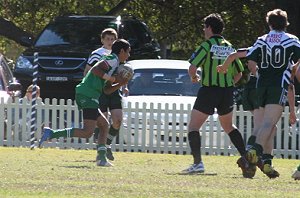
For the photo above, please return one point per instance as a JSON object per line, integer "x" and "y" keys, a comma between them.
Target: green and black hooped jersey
{"x": 273, "y": 53}
{"x": 209, "y": 55}
{"x": 92, "y": 85}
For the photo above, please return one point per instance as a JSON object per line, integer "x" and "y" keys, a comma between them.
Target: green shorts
{"x": 84, "y": 102}
{"x": 271, "y": 95}
{"x": 249, "y": 99}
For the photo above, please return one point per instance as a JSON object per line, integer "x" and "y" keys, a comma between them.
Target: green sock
{"x": 111, "y": 135}
{"x": 67, "y": 132}
{"x": 298, "y": 168}
{"x": 101, "y": 149}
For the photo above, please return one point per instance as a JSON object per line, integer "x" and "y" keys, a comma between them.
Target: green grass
{"x": 73, "y": 173}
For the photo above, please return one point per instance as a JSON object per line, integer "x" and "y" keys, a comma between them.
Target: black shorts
{"x": 209, "y": 98}
{"x": 249, "y": 99}
{"x": 90, "y": 114}
{"x": 112, "y": 101}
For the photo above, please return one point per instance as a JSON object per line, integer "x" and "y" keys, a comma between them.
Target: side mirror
{"x": 14, "y": 86}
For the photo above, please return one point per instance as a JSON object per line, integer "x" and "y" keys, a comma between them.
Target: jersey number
{"x": 276, "y": 58}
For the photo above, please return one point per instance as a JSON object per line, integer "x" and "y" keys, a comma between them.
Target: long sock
{"x": 267, "y": 158}
{"x": 111, "y": 135}
{"x": 237, "y": 140}
{"x": 67, "y": 132}
{"x": 195, "y": 145}
{"x": 298, "y": 168}
{"x": 258, "y": 148}
{"x": 101, "y": 149}
{"x": 251, "y": 140}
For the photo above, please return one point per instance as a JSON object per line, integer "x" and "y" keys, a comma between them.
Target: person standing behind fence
{"x": 98, "y": 79}
{"x": 111, "y": 102}
{"x": 24, "y": 117}
{"x": 216, "y": 91}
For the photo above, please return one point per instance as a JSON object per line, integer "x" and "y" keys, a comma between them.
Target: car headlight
{"x": 23, "y": 63}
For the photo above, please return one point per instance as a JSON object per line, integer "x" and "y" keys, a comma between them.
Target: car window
{"x": 162, "y": 82}
{"x": 136, "y": 33}
{"x": 73, "y": 33}
{"x": 87, "y": 32}
{"x": 2, "y": 85}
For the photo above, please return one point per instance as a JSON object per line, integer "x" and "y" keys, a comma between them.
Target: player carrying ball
{"x": 100, "y": 78}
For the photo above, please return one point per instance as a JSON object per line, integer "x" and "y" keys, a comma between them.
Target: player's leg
{"x": 116, "y": 117}
{"x": 296, "y": 174}
{"x": 197, "y": 120}
{"x": 103, "y": 125}
{"x": 203, "y": 107}
{"x": 89, "y": 124}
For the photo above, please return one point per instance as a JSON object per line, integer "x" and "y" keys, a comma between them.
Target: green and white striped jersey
{"x": 92, "y": 85}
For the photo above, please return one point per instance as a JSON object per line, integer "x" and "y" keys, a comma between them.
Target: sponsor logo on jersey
{"x": 274, "y": 38}
{"x": 221, "y": 52}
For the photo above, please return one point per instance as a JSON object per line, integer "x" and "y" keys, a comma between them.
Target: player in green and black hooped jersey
{"x": 98, "y": 79}
{"x": 216, "y": 91}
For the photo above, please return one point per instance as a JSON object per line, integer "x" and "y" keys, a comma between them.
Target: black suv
{"x": 65, "y": 45}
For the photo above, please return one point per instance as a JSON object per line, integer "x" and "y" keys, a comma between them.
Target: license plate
{"x": 56, "y": 78}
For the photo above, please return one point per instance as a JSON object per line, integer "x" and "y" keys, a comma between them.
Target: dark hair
{"x": 277, "y": 19}
{"x": 216, "y": 23}
{"x": 118, "y": 45}
{"x": 109, "y": 31}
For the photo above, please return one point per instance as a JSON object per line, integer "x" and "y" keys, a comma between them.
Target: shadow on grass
{"x": 80, "y": 167}
{"x": 204, "y": 174}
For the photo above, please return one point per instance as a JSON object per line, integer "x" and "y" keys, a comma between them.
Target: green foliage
{"x": 73, "y": 173}
{"x": 175, "y": 23}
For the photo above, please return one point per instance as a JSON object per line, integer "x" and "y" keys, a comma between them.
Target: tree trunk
{"x": 9, "y": 30}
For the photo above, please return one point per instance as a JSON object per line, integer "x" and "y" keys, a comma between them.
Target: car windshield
{"x": 175, "y": 82}
{"x": 87, "y": 32}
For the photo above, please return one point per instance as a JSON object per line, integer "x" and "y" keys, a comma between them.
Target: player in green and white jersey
{"x": 99, "y": 79}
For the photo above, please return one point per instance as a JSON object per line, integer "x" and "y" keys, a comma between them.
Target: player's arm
{"x": 297, "y": 73}
{"x": 193, "y": 74}
{"x": 237, "y": 77}
{"x": 86, "y": 69}
{"x": 100, "y": 68}
{"x": 252, "y": 66}
{"x": 109, "y": 88}
{"x": 241, "y": 53}
{"x": 291, "y": 100}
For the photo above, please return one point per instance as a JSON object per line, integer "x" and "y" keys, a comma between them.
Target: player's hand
{"x": 121, "y": 80}
{"x": 221, "y": 69}
{"x": 195, "y": 78}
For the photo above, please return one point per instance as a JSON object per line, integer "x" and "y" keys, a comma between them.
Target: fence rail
{"x": 154, "y": 130}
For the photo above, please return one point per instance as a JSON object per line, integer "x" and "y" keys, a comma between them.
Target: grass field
{"x": 73, "y": 173}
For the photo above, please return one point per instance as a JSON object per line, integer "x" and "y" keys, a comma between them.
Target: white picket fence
{"x": 143, "y": 130}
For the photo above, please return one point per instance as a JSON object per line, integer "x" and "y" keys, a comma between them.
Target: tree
{"x": 177, "y": 24}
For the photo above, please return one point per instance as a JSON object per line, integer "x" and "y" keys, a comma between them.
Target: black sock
{"x": 111, "y": 135}
{"x": 237, "y": 140}
{"x": 195, "y": 145}
{"x": 267, "y": 158}
{"x": 251, "y": 140}
{"x": 258, "y": 148}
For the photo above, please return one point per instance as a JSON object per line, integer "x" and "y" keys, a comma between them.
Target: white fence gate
{"x": 153, "y": 130}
